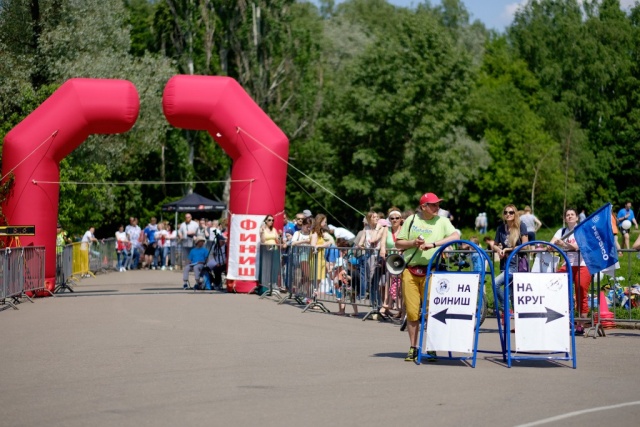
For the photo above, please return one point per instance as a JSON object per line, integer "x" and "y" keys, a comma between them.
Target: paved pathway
{"x": 133, "y": 349}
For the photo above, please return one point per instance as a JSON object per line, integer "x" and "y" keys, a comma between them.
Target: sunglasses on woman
{"x": 509, "y": 212}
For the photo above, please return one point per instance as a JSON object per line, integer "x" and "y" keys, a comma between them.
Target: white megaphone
{"x": 395, "y": 264}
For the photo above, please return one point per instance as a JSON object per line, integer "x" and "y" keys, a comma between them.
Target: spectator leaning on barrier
{"x": 341, "y": 233}
{"x": 133, "y": 231}
{"x": 419, "y": 237}
{"x": 296, "y": 225}
{"x": 269, "y": 252}
{"x": 300, "y": 260}
{"x": 172, "y": 237}
{"x": 163, "y": 245}
{"x": 319, "y": 244}
{"x": 122, "y": 248}
{"x": 392, "y": 297}
{"x": 88, "y": 239}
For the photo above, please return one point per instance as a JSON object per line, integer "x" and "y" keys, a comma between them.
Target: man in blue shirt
{"x": 197, "y": 259}
{"x": 624, "y": 214}
{"x": 150, "y": 239}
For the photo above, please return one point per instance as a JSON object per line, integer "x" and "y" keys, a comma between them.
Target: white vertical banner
{"x": 453, "y": 302}
{"x": 541, "y": 311}
{"x": 244, "y": 244}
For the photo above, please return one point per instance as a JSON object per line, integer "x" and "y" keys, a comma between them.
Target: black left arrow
{"x": 443, "y": 316}
{"x": 550, "y": 315}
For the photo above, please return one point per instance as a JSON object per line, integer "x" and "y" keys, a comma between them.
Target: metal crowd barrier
{"x": 105, "y": 256}
{"x": 619, "y": 286}
{"x": 313, "y": 277}
{"x": 80, "y": 260}
{"x": 353, "y": 276}
{"x": 21, "y": 271}
{"x": 358, "y": 277}
{"x": 33, "y": 268}
{"x": 64, "y": 269}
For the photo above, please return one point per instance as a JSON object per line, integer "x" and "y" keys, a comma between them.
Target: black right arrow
{"x": 550, "y": 315}
{"x": 443, "y": 316}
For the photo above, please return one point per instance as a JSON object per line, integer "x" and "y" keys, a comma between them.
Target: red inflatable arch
{"x": 258, "y": 148}
{"x": 34, "y": 148}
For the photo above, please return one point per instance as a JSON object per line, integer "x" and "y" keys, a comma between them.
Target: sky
{"x": 496, "y": 14}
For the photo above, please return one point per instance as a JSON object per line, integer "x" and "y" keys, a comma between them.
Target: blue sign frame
{"x": 505, "y": 334}
{"x": 423, "y": 312}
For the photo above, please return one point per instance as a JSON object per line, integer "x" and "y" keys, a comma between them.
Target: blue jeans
{"x": 122, "y": 258}
{"x": 161, "y": 256}
{"x": 364, "y": 271}
{"x": 135, "y": 258}
{"x": 513, "y": 267}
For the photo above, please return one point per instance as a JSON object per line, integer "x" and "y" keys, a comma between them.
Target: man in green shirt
{"x": 419, "y": 237}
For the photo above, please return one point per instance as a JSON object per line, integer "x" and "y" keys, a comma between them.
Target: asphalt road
{"x": 133, "y": 349}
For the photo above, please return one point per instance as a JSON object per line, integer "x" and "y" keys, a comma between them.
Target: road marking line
{"x": 576, "y": 413}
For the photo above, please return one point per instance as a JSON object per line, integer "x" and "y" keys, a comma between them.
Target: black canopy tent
{"x": 193, "y": 204}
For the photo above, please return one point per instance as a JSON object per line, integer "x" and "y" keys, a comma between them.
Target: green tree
{"x": 583, "y": 56}
{"x": 89, "y": 39}
{"x": 395, "y": 118}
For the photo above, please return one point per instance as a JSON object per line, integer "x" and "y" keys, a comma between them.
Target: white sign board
{"x": 244, "y": 242}
{"x": 453, "y": 301}
{"x": 541, "y": 311}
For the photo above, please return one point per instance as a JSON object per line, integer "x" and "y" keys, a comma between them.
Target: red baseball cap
{"x": 429, "y": 198}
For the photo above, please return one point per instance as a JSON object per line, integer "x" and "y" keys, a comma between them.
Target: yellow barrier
{"x": 80, "y": 260}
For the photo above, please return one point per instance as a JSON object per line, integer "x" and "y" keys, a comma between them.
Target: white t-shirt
{"x": 162, "y": 238}
{"x": 86, "y": 240}
{"x": 134, "y": 235}
{"x": 121, "y": 236}
{"x": 186, "y": 229}
{"x": 173, "y": 238}
{"x": 299, "y": 237}
{"x": 530, "y": 221}
{"x": 573, "y": 256}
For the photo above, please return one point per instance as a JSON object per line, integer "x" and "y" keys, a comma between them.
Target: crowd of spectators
{"x": 156, "y": 246}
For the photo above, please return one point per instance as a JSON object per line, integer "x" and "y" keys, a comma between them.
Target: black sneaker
{"x": 412, "y": 355}
{"x": 433, "y": 357}
{"x": 185, "y": 286}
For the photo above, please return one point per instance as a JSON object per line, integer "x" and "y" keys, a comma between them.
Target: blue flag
{"x": 595, "y": 240}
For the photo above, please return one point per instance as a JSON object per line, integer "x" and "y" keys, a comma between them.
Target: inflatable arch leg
{"x": 258, "y": 148}
{"x": 34, "y": 148}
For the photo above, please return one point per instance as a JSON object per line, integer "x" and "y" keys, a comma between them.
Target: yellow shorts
{"x": 412, "y": 293}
